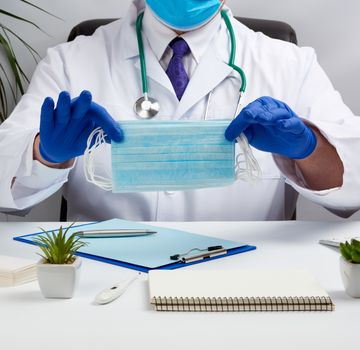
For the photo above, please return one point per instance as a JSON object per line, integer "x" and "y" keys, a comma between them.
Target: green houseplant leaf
{"x": 9, "y": 14}
{"x": 8, "y": 59}
{"x": 351, "y": 251}
{"x": 40, "y": 9}
{"x": 59, "y": 247}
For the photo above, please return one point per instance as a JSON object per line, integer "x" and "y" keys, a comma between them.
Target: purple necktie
{"x": 176, "y": 70}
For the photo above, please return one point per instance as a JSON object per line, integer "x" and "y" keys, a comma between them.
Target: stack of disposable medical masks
{"x": 169, "y": 156}
{"x": 172, "y": 155}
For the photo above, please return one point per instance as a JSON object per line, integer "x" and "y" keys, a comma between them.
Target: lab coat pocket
{"x": 222, "y": 102}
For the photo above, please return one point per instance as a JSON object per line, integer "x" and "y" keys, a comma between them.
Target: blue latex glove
{"x": 271, "y": 126}
{"x": 64, "y": 130}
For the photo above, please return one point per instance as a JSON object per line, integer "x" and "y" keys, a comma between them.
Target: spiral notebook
{"x": 237, "y": 290}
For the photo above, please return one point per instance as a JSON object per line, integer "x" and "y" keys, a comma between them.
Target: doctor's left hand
{"x": 65, "y": 129}
{"x": 271, "y": 126}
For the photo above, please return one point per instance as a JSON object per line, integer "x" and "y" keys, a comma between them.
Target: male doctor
{"x": 303, "y": 135}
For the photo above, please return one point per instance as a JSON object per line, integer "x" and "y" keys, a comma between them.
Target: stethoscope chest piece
{"x": 146, "y": 107}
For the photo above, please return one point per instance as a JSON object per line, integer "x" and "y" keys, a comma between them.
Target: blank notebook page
{"x": 233, "y": 283}
{"x": 237, "y": 290}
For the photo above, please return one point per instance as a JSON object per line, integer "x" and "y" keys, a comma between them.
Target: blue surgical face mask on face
{"x": 184, "y": 15}
{"x": 172, "y": 156}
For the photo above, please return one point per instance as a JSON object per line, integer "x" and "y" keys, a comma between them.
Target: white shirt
{"x": 159, "y": 37}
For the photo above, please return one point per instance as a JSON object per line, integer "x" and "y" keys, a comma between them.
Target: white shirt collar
{"x": 159, "y": 36}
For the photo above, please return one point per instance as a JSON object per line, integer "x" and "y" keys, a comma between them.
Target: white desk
{"x": 27, "y": 321}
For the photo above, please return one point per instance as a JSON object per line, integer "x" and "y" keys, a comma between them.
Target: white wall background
{"x": 332, "y": 27}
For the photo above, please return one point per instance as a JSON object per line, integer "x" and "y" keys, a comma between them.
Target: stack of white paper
{"x": 14, "y": 271}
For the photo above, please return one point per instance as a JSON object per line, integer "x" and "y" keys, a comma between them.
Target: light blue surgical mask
{"x": 172, "y": 156}
{"x": 184, "y": 15}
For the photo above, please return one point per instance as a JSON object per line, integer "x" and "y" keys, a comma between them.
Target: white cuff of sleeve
{"x": 28, "y": 191}
{"x": 43, "y": 176}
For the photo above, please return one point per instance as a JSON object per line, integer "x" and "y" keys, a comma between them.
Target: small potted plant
{"x": 59, "y": 269}
{"x": 350, "y": 267}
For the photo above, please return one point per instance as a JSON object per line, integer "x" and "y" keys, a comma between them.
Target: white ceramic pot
{"x": 350, "y": 275}
{"x": 58, "y": 281}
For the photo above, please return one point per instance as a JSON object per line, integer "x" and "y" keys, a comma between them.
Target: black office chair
{"x": 273, "y": 29}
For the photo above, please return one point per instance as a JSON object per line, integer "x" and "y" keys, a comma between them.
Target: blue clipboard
{"x": 146, "y": 253}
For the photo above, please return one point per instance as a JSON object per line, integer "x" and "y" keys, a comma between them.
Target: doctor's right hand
{"x": 64, "y": 130}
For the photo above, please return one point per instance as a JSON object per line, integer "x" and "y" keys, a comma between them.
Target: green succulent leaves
{"x": 57, "y": 248}
{"x": 351, "y": 251}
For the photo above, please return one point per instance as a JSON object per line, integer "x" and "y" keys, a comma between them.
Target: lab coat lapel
{"x": 154, "y": 70}
{"x": 210, "y": 72}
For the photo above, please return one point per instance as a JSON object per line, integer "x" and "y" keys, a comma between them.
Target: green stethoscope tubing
{"x": 140, "y": 41}
{"x": 231, "y": 63}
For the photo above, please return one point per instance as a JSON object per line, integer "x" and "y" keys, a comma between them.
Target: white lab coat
{"x": 107, "y": 64}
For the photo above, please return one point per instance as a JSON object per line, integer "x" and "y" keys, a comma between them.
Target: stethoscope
{"x": 147, "y": 107}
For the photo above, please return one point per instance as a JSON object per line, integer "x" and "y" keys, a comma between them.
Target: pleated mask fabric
{"x": 172, "y": 156}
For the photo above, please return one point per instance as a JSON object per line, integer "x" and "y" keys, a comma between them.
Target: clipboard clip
{"x": 205, "y": 254}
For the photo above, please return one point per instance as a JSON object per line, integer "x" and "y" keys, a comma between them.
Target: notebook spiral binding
{"x": 243, "y": 304}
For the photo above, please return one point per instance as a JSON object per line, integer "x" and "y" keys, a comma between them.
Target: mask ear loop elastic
{"x": 250, "y": 171}
{"x": 247, "y": 168}
{"x": 98, "y": 135}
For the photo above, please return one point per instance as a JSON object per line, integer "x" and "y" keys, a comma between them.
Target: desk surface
{"x": 27, "y": 321}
